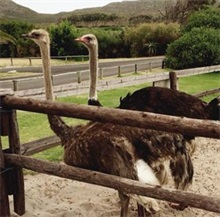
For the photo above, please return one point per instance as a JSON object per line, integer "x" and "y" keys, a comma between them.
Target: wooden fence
{"x": 11, "y": 159}
{"x": 66, "y": 81}
{"x": 158, "y": 79}
{"x": 78, "y": 86}
{"x": 12, "y": 162}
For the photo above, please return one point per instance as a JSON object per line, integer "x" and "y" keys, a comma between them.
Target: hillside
{"x": 11, "y": 10}
{"x": 125, "y": 9}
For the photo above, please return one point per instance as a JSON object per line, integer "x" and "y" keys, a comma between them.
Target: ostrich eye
{"x": 36, "y": 35}
{"x": 88, "y": 38}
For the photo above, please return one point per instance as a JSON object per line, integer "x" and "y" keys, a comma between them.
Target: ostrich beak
{"x": 83, "y": 40}
{"x": 28, "y": 35}
{"x": 25, "y": 35}
{"x": 78, "y": 39}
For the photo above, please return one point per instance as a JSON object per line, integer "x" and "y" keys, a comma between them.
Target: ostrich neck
{"x": 45, "y": 55}
{"x": 56, "y": 123}
{"x": 93, "y": 62}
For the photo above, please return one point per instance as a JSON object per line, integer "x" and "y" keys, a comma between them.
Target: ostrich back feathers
{"x": 167, "y": 101}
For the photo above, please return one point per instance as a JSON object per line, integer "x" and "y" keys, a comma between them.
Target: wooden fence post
{"x": 79, "y": 77}
{"x": 14, "y": 145}
{"x": 119, "y": 71}
{"x": 173, "y": 81}
{"x": 30, "y": 62}
{"x": 4, "y": 202}
{"x": 150, "y": 66}
{"x": 15, "y": 85}
{"x": 11, "y": 178}
{"x": 135, "y": 68}
{"x": 101, "y": 73}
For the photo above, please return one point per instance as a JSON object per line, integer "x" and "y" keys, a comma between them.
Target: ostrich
{"x": 90, "y": 41}
{"x": 153, "y": 99}
{"x": 119, "y": 150}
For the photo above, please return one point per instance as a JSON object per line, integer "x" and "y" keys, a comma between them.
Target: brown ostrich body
{"x": 171, "y": 102}
{"x": 115, "y": 149}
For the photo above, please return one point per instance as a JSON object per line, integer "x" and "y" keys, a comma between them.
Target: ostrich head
{"x": 39, "y": 36}
{"x": 89, "y": 40}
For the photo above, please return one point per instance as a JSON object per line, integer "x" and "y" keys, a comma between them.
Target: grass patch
{"x": 33, "y": 126}
{"x": 15, "y": 74}
{"x": 199, "y": 83}
{"x": 6, "y": 62}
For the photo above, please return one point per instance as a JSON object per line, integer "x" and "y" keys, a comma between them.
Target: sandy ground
{"x": 50, "y": 196}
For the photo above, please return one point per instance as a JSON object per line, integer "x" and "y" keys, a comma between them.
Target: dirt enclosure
{"x": 50, "y": 196}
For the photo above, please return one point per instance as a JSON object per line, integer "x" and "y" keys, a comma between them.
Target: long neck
{"x": 93, "y": 63}
{"x": 45, "y": 54}
{"x": 56, "y": 123}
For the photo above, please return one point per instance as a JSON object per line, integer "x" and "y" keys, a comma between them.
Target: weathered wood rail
{"x": 205, "y": 128}
{"x": 118, "y": 183}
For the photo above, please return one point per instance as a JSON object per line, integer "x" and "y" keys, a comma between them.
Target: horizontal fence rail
{"x": 118, "y": 183}
{"x": 205, "y": 128}
{"x": 39, "y": 145}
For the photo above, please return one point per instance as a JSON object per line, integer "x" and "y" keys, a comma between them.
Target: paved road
{"x": 61, "y": 75}
{"x": 80, "y": 67}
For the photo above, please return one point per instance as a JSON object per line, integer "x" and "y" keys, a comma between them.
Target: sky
{"x": 56, "y": 6}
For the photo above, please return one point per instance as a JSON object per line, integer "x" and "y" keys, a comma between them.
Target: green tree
{"x": 160, "y": 33}
{"x": 62, "y": 39}
{"x": 111, "y": 42}
{"x": 6, "y": 38}
{"x": 197, "y": 48}
{"x": 209, "y": 17}
{"x": 93, "y": 19}
{"x": 151, "y": 48}
{"x": 20, "y": 46}
{"x": 199, "y": 44}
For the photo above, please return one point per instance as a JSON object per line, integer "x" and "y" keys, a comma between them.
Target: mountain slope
{"x": 11, "y": 10}
{"x": 126, "y": 9}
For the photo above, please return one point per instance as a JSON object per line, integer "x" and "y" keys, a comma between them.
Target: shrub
{"x": 159, "y": 34}
{"x": 62, "y": 39}
{"x": 204, "y": 18}
{"x": 197, "y": 48}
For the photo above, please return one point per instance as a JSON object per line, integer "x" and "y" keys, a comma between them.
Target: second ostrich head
{"x": 89, "y": 40}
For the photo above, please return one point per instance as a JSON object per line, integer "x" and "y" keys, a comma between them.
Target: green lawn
{"x": 33, "y": 126}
